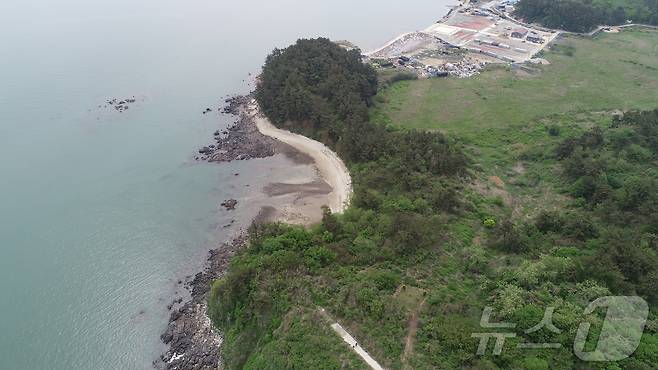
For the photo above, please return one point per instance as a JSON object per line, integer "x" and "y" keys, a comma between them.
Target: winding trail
{"x": 330, "y": 166}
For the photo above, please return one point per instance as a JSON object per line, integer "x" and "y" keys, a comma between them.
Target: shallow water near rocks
{"x": 102, "y": 211}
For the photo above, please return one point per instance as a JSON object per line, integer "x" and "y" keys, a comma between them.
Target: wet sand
{"x": 331, "y": 168}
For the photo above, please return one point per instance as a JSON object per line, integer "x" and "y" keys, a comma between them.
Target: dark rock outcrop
{"x": 193, "y": 342}
{"x": 230, "y": 204}
{"x": 242, "y": 141}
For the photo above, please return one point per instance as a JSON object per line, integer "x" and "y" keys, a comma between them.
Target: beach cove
{"x": 191, "y": 338}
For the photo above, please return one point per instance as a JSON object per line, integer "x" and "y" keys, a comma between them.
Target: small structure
{"x": 536, "y": 38}
{"x": 519, "y": 33}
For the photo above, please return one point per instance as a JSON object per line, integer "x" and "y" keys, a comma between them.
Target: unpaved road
{"x": 356, "y": 347}
{"x": 350, "y": 340}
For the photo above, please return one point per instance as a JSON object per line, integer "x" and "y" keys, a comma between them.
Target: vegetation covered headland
{"x": 521, "y": 189}
{"x": 280, "y": 279}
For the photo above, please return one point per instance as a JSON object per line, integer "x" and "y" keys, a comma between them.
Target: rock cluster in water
{"x": 230, "y": 204}
{"x": 121, "y": 105}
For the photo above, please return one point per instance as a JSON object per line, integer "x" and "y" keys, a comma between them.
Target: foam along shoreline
{"x": 330, "y": 167}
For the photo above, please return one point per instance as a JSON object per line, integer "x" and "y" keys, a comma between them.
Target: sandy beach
{"x": 330, "y": 167}
{"x": 298, "y": 200}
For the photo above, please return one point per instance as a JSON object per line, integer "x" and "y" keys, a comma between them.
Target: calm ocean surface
{"x": 101, "y": 212}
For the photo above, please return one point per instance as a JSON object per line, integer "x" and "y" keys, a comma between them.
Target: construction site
{"x": 470, "y": 36}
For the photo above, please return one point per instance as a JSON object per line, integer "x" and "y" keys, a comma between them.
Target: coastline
{"x": 192, "y": 340}
{"x": 190, "y": 329}
{"x": 330, "y": 167}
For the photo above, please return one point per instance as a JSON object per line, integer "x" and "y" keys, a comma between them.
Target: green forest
{"x": 585, "y": 15}
{"x": 426, "y": 245}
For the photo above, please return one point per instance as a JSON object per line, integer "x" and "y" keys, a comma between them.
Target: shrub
{"x": 509, "y": 298}
{"x": 580, "y": 227}
{"x": 402, "y": 76}
{"x": 549, "y": 221}
{"x": 489, "y": 222}
{"x": 508, "y": 238}
{"x": 319, "y": 257}
{"x": 554, "y": 130}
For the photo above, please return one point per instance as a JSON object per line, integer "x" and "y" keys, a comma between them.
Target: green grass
{"x": 410, "y": 297}
{"x": 503, "y": 116}
{"x": 612, "y": 71}
{"x": 305, "y": 340}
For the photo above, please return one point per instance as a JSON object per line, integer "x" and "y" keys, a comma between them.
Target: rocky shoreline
{"x": 241, "y": 141}
{"x": 193, "y": 342}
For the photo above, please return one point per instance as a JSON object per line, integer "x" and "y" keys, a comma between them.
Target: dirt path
{"x": 329, "y": 165}
{"x": 412, "y": 329}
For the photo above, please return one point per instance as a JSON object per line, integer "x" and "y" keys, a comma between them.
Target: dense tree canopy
{"x": 318, "y": 84}
{"x": 612, "y": 172}
{"x": 318, "y": 88}
{"x": 584, "y": 15}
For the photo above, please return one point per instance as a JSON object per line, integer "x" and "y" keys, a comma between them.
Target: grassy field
{"x": 510, "y": 121}
{"x": 612, "y": 71}
{"x": 504, "y": 116}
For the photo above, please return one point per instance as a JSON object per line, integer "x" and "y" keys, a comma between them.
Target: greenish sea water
{"x": 101, "y": 212}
